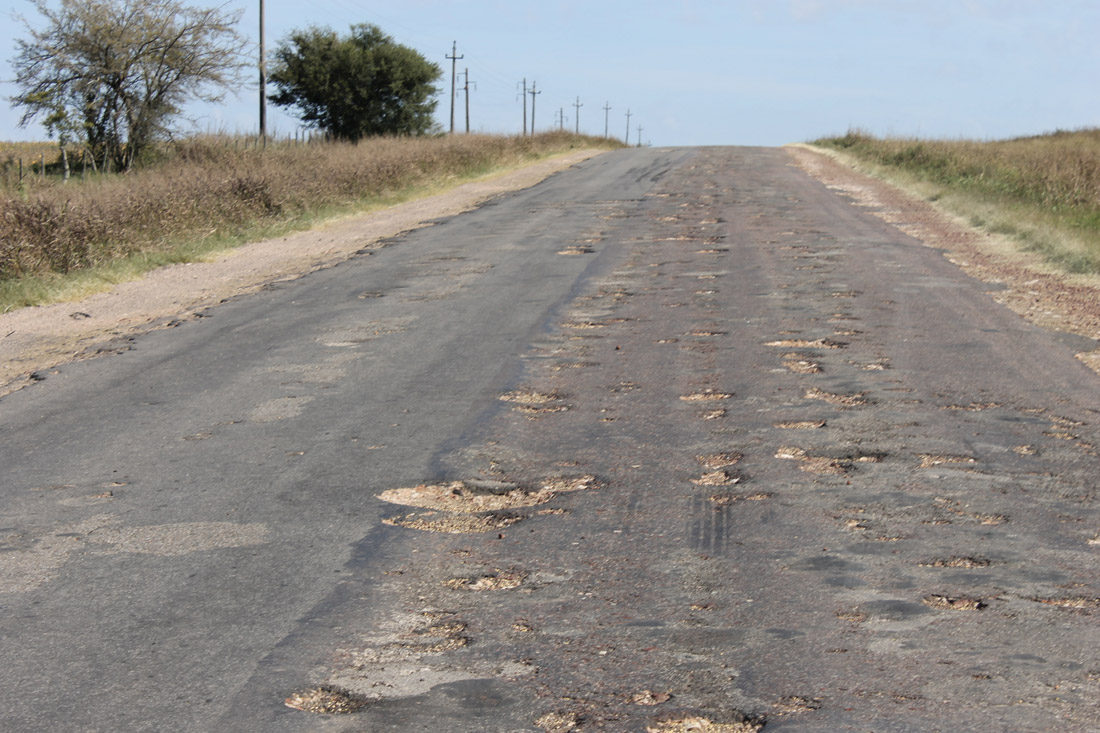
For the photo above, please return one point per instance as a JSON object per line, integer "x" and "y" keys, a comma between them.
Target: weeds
{"x": 207, "y": 193}
{"x": 1043, "y": 191}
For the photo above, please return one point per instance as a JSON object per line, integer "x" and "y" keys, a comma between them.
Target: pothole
{"x": 800, "y": 424}
{"x": 703, "y": 332}
{"x": 843, "y": 400}
{"x": 576, "y": 250}
{"x": 649, "y": 697}
{"x": 573, "y": 365}
{"x": 326, "y": 700}
{"x": 559, "y": 722}
{"x": 802, "y": 366}
{"x": 974, "y": 406}
{"x": 796, "y": 705}
{"x": 680, "y": 723}
{"x": 455, "y": 523}
{"x": 713, "y": 414}
{"x": 822, "y": 465}
{"x": 593, "y": 324}
{"x": 726, "y": 499}
{"x": 719, "y": 460}
{"x": 932, "y": 460}
{"x": 531, "y": 397}
{"x": 807, "y": 344}
{"x": 957, "y": 561}
{"x": 706, "y": 395}
{"x": 537, "y": 411}
{"x": 879, "y": 365}
{"x": 954, "y": 603}
{"x": 716, "y": 478}
{"x": 448, "y": 644}
{"x": 1077, "y": 602}
{"x": 623, "y": 387}
{"x": 485, "y": 496}
{"x": 499, "y": 580}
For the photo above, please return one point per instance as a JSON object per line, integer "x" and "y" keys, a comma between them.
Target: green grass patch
{"x": 63, "y": 240}
{"x": 1042, "y": 192}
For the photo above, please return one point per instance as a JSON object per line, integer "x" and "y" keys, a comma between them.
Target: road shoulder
{"x": 1049, "y": 299}
{"x": 34, "y": 340}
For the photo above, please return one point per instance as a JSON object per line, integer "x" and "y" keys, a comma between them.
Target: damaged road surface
{"x": 677, "y": 440}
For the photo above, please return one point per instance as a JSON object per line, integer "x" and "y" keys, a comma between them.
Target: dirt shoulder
{"x": 1047, "y": 298}
{"x": 39, "y": 338}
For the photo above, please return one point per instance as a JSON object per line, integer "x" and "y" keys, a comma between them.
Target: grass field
{"x": 1043, "y": 192}
{"x": 211, "y": 193}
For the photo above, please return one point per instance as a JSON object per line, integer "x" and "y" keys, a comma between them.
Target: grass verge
{"x": 64, "y": 241}
{"x": 1041, "y": 192}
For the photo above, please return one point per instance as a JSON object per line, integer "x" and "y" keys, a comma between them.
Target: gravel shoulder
{"x": 1044, "y": 296}
{"x": 36, "y": 339}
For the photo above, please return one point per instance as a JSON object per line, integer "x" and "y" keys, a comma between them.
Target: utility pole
{"x": 454, "y": 57}
{"x": 466, "y": 90}
{"x": 606, "y": 110}
{"x": 577, "y": 106}
{"x": 533, "y": 93}
{"x": 525, "y": 106}
{"x": 561, "y": 118}
{"x": 627, "y": 141}
{"x": 263, "y": 81}
{"x": 640, "y": 128}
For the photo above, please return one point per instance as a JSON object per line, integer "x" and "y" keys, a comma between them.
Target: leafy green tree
{"x": 356, "y": 86}
{"x": 118, "y": 72}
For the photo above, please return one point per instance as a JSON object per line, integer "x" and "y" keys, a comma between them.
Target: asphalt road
{"x": 696, "y": 440}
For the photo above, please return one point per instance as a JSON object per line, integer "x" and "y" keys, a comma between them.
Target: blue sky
{"x": 753, "y": 72}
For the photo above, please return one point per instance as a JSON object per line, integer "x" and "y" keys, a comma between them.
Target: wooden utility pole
{"x": 606, "y": 110}
{"x": 561, "y": 118}
{"x": 466, "y": 89}
{"x": 263, "y": 80}
{"x": 577, "y": 106}
{"x": 454, "y": 57}
{"x": 533, "y": 93}
{"x": 525, "y": 106}
{"x": 627, "y": 141}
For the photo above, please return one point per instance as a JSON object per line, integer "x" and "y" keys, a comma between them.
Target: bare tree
{"x": 116, "y": 73}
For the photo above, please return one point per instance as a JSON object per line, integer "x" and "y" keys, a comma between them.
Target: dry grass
{"x": 208, "y": 194}
{"x": 1042, "y": 191}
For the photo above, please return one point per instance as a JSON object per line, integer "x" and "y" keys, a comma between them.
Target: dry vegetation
{"x": 1042, "y": 191}
{"x": 209, "y": 193}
